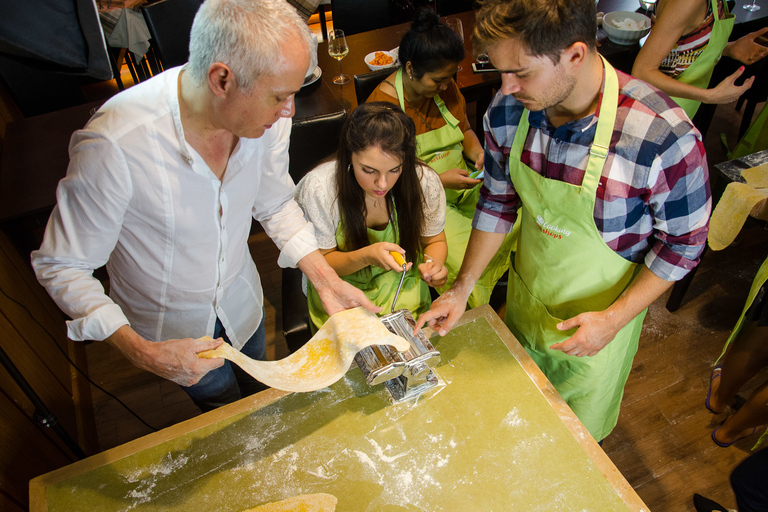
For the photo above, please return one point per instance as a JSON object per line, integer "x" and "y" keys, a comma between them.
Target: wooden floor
{"x": 661, "y": 443}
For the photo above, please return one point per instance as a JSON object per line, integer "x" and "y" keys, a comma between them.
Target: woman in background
{"x": 686, "y": 41}
{"x": 372, "y": 199}
{"x": 423, "y": 87}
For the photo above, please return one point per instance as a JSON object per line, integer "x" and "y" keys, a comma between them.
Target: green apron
{"x": 379, "y": 285}
{"x": 700, "y": 71}
{"x": 756, "y": 137}
{"x": 566, "y": 269}
{"x": 442, "y": 150}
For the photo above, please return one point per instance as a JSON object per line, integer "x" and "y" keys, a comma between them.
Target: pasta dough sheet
{"x": 738, "y": 202}
{"x": 324, "y": 359}
{"x": 303, "y": 503}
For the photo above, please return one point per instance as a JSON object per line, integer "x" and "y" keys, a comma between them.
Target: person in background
{"x": 423, "y": 86}
{"x": 162, "y": 186}
{"x": 744, "y": 356}
{"x": 749, "y": 481}
{"x": 612, "y": 179}
{"x": 686, "y": 41}
{"x": 375, "y": 197}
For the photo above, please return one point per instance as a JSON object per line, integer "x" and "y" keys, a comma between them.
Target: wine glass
{"x": 455, "y": 25}
{"x": 752, "y": 7}
{"x": 338, "y": 49}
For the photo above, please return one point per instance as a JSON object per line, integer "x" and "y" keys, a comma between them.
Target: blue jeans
{"x": 229, "y": 383}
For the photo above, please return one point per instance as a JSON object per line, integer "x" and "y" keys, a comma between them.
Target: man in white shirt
{"x": 161, "y": 187}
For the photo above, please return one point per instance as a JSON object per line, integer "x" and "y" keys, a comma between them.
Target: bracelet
{"x": 428, "y": 258}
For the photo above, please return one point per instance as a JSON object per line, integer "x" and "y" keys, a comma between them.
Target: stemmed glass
{"x": 455, "y": 25}
{"x": 752, "y": 7}
{"x": 338, "y": 49}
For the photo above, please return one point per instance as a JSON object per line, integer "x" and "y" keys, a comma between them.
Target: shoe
{"x": 726, "y": 445}
{"x": 703, "y": 504}
{"x": 717, "y": 371}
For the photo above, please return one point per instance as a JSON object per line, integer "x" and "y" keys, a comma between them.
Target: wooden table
{"x": 494, "y": 435}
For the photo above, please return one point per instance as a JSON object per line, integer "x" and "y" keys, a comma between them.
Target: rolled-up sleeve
{"x": 681, "y": 205}
{"x": 81, "y": 234}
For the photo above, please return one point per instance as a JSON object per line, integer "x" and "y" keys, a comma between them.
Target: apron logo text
{"x": 548, "y": 229}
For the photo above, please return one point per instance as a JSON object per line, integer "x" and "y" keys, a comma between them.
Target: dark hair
{"x": 546, "y": 27}
{"x": 429, "y": 45}
{"x": 380, "y": 124}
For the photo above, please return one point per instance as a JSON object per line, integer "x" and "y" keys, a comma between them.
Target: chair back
{"x": 366, "y": 83}
{"x": 448, "y": 7}
{"x": 170, "y": 23}
{"x": 312, "y": 140}
{"x": 355, "y": 16}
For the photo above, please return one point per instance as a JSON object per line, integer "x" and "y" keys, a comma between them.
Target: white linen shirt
{"x": 173, "y": 236}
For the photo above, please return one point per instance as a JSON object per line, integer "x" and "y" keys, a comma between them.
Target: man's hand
{"x": 444, "y": 313}
{"x": 342, "y": 295}
{"x": 595, "y": 331}
{"x": 175, "y": 360}
{"x": 335, "y": 293}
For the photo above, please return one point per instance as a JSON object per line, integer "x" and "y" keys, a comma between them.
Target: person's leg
{"x": 753, "y": 413}
{"x": 750, "y": 482}
{"x": 746, "y": 356}
{"x": 255, "y": 348}
{"x": 217, "y": 387}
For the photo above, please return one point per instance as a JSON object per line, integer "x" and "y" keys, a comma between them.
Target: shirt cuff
{"x": 300, "y": 244}
{"x": 98, "y": 325}
{"x": 658, "y": 264}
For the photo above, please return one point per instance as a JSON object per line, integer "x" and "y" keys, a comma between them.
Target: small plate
{"x": 313, "y": 77}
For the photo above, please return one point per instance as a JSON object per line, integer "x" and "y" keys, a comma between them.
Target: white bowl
{"x": 621, "y": 35}
{"x": 372, "y": 55}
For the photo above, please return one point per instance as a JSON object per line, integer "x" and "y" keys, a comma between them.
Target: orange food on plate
{"x": 381, "y": 59}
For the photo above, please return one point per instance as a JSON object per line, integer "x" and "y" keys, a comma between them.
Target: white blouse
{"x": 316, "y": 194}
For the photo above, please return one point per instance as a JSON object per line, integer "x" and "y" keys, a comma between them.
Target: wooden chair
{"x": 170, "y": 23}
{"x": 312, "y": 140}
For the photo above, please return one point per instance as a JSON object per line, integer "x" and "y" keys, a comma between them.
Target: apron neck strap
{"x": 449, "y": 118}
{"x": 598, "y": 151}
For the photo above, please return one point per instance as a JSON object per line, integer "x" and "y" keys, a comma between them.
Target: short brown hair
{"x": 546, "y": 27}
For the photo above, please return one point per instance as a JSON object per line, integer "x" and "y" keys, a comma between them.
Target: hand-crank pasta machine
{"x": 405, "y": 374}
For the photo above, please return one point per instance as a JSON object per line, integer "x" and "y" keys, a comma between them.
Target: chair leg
{"x": 322, "y": 9}
{"x": 746, "y": 118}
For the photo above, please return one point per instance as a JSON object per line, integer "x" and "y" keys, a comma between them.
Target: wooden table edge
{"x": 37, "y": 486}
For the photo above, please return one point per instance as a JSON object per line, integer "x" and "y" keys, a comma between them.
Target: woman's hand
{"x": 480, "y": 161}
{"x": 433, "y": 273}
{"x": 378, "y": 254}
{"x": 727, "y": 91}
{"x": 458, "y": 179}
{"x": 745, "y": 49}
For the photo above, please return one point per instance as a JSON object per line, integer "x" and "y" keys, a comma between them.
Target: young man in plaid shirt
{"x": 609, "y": 182}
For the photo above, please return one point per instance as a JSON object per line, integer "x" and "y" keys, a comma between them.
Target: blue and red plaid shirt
{"x": 653, "y": 200}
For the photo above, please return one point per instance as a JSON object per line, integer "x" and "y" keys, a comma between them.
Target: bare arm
{"x": 597, "y": 328}
{"x": 449, "y": 307}
{"x": 434, "y": 272}
{"x": 473, "y": 149}
{"x": 335, "y": 293}
{"x": 175, "y": 360}
{"x": 677, "y": 18}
